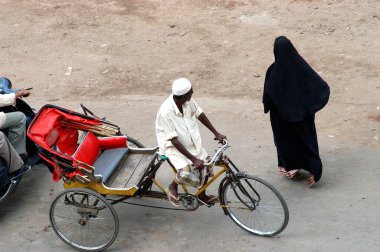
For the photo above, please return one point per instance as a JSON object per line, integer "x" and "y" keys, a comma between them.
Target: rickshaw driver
{"x": 178, "y": 135}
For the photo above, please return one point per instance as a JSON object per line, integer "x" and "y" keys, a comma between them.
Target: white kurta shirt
{"x": 6, "y": 100}
{"x": 170, "y": 123}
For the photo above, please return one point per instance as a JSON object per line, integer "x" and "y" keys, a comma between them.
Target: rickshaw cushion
{"x": 63, "y": 138}
{"x": 108, "y": 161}
{"x": 112, "y": 142}
{"x": 67, "y": 141}
{"x": 88, "y": 151}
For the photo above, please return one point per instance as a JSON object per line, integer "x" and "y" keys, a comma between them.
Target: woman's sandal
{"x": 282, "y": 170}
{"x": 293, "y": 174}
{"x": 310, "y": 181}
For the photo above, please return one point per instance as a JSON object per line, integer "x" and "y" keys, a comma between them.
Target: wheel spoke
{"x": 66, "y": 217}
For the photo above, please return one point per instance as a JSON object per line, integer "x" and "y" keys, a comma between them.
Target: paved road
{"x": 339, "y": 214}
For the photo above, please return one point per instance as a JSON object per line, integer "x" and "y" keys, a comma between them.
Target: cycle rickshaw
{"x": 99, "y": 169}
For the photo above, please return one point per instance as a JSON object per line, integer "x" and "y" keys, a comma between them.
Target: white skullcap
{"x": 181, "y": 86}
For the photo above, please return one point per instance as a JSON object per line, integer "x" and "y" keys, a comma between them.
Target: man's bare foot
{"x": 172, "y": 194}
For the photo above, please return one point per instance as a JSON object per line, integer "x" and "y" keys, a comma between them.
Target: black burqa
{"x": 293, "y": 93}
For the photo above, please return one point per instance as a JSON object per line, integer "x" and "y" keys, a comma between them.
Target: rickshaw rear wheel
{"x": 84, "y": 219}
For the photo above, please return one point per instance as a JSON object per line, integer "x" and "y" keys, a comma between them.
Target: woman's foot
{"x": 292, "y": 174}
{"x": 310, "y": 181}
{"x": 282, "y": 170}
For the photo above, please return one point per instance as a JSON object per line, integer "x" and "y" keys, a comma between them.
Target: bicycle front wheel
{"x": 255, "y": 205}
{"x": 84, "y": 220}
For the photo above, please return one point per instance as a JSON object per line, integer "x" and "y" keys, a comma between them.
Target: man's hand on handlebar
{"x": 220, "y": 137}
{"x": 198, "y": 164}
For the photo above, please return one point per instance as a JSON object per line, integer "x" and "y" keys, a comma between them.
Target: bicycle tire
{"x": 238, "y": 195}
{"x": 77, "y": 222}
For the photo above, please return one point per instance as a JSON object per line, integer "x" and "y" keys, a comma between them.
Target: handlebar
{"x": 218, "y": 153}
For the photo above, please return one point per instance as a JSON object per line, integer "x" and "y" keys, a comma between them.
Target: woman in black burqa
{"x": 293, "y": 93}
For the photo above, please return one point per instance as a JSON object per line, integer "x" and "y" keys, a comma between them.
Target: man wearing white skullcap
{"x": 181, "y": 86}
{"x": 179, "y": 138}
